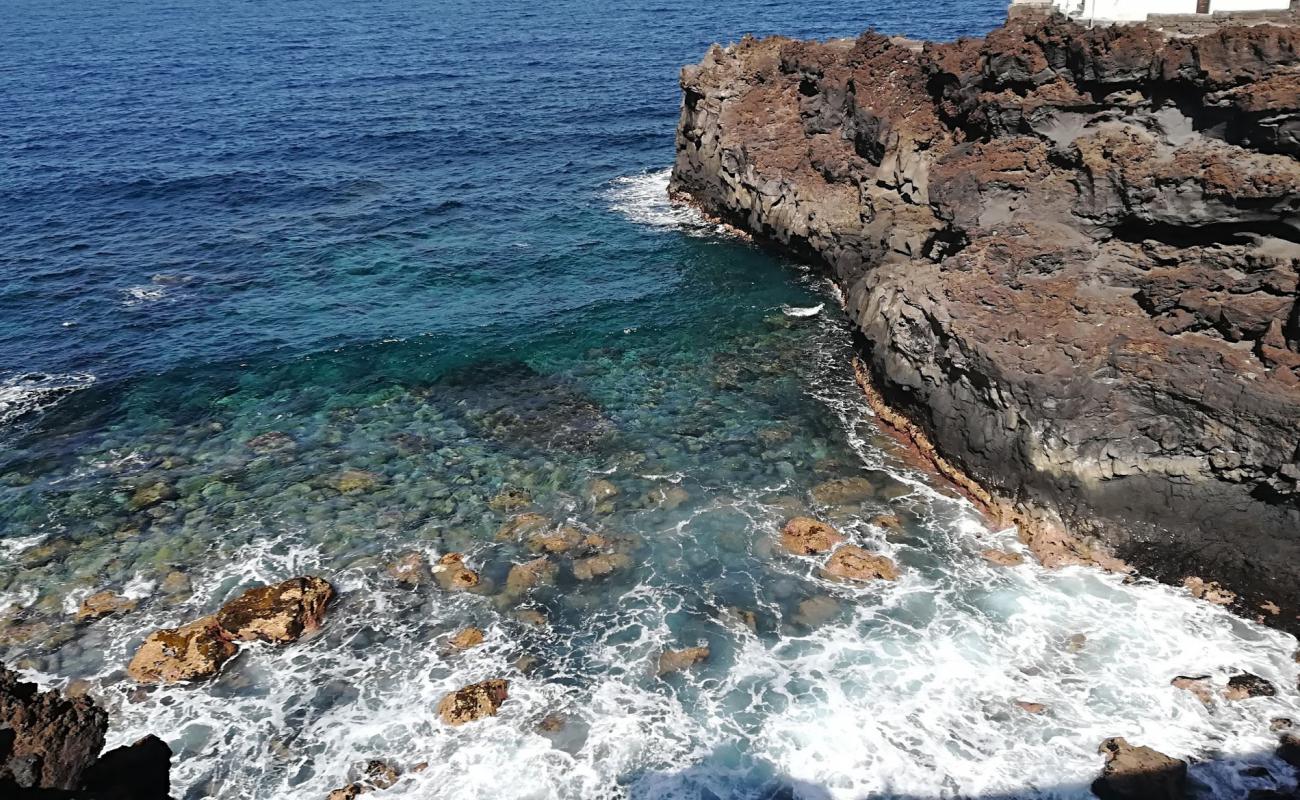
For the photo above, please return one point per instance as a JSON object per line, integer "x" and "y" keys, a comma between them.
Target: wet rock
{"x": 350, "y": 792}
{"x": 843, "y": 491}
{"x": 1199, "y": 686}
{"x": 527, "y": 576}
{"x": 410, "y": 569}
{"x": 271, "y": 442}
{"x": 1002, "y": 558}
{"x": 1246, "y": 685}
{"x": 532, "y": 617}
{"x": 1030, "y": 707}
{"x": 139, "y": 771}
{"x": 552, "y": 723}
{"x": 816, "y": 611}
{"x": 586, "y": 569}
{"x": 189, "y": 653}
{"x": 1289, "y": 749}
{"x": 805, "y": 536}
{"x": 466, "y": 638}
{"x": 742, "y": 617}
{"x": 563, "y": 540}
{"x": 151, "y": 495}
{"x": 523, "y": 525}
{"x": 278, "y": 614}
{"x": 473, "y": 702}
{"x": 356, "y": 481}
{"x": 890, "y": 522}
{"x": 510, "y": 500}
{"x": 852, "y": 563}
{"x": 377, "y": 775}
{"x": 1280, "y": 724}
{"x": 102, "y": 604}
{"x": 174, "y": 584}
{"x": 1139, "y": 773}
{"x": 52, "y": 740}
{"x": 678, "y": 660}
{"x": 600, "y": 490}
{"x": 452, "y": 575}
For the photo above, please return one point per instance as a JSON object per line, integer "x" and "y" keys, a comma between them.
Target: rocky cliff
{"x": 1072, "y": 258}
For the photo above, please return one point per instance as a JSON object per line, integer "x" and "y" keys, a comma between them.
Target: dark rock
{"x": 140, "y": 771}
{"x": 1139, "y": 773}
{"x": 1072, "y": 256}
{"x": 1246, "y": 685}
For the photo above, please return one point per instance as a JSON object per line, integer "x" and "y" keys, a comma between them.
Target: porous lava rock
{"x": 1071, "y": 256}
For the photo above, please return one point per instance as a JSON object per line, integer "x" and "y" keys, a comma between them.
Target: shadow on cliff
{"x": 726, "y": 776}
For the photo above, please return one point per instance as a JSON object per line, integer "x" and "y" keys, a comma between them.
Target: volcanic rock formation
{"x": 1072, "y": 258}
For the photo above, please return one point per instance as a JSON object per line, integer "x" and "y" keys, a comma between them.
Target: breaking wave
{"x": 30, "y": 393}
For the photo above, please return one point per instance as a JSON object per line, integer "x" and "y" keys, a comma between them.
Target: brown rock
{"x": 1076, "y": 643}
{"x": 1245, "y": 685}
{"x": 188, "y": 653}
{"x": 381, "y": 775}
{"x": 586, "y": 569}
{"x": 1139, "y": 773}
{"x": 278, "y": 614}
{"x": 466, "y": 638}
{"x": 410, "y": 569}
{"x": 890, "y": 522}
{"x": 523, "y": 525}
{"x": 1031, "y": 707}
{"x": 552, "y": 723}
{"x": 817, "y": 610}
{"x": 851, "y": 563}
{"x": 473, "y": 702}
{"x": 452, "y": 575}
{"x": 527, "y": 576}
{"x": 843, "y": 491}
{"x": 563, "y": 540}
{"x": 54, "y": 739}
{"x": 533, "y": 617}
{"x": 102, "y": 604}
{"x": 356, "y": 481}
{"x": 510, "y": 500}
{"x": 175, "y": 583}
{"x": 1002, "y": 558}
{"x": 805, "y": 536}
{"x": 678, "y": 660}
{"x": 1199, "y": 686}
{"x": 350, "y": 792}
{"x": 271, "y": 442}
{"x": 151, "y": 495}
{"x": 600, "y": 490}
{"x": 1209, "y": 591}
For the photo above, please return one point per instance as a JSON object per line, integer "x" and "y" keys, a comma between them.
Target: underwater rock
{"x": 510, "y": 500}
{"x": 278, "y": 614}
{"x": 452, "y": 575}
{"x": 523, "y": 525}
{"x": 474, "y": 702}
{"x": 466, "y": 638}
{"x": 356, "y": 481}
{"x": 678, "y": 660}
{"x": 271, "y": 442}
{"x": 562, "y": 540}
{"x": 175, "y": 584}
{"x": 843, "y": 491}
{"x": 188, "y": 653}
{"x": 1139, "y": 773}
{"x": 805, "y": 536}
{"x": 527, "y": 576}
{"x": 586, "y": 569}
{"x": 410, "y": 569}
{"x": 600, "y": 490}
{"x": 1199, "y": 686}
{"x": 532, "y": 617}
{"x": 1246, "y": 685}
{"x": 1002, "y": 558}
{"x": 852, "y": 563}
{"x": 813, "y": 612}
{"x": 151, "y": 495}
{"x": 102, "y": 604}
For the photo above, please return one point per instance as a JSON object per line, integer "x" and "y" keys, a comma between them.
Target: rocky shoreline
{"x": 1071, "y": 258}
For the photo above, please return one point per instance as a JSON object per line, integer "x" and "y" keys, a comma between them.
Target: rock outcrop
{"x": 1071, "y": 257}
{"x": 51, "y": 743}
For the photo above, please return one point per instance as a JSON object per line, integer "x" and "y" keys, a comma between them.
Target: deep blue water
{"x": 427, "y": 247}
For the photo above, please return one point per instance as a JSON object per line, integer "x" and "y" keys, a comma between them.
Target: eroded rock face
{"x": 1139, "y": 773}
{"x": 805, "y": 536}
{"x": 188, "y": 653}
{"x": 1073, "y": 257}
{"x": 473, "y": 702}
{"x": 278, "y": 614}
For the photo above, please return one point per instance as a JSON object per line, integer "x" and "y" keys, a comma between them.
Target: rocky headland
{"x": 1071, "y": 259}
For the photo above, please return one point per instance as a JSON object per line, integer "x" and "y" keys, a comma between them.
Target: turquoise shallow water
{"x": 427, "y": 249}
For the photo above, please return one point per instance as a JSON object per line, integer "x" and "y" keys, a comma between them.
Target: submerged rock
{"x": 508, "y": 500}
{"x": 678, "y": 660}
{"x": 271, "y": 442}
{"x": 278, "y": 614}
{"x": 151, "y": 495}
{"x": 452, "y": 575}
{"x": 1139, "y": 773}
{"x": 586, "y": 569}
{"x": 191, "y": 652}
{"x": 852, "y": 563}
{"x": 473, "y": 702}
{"x": 843, "y": 491}
{"x": 1199, "y": 686}
{"x": 466, "y": 638}
{"x": 356, "y": 481}
{"x": 805, "y": 536}
{"x": 103, "y": 604}
{"x": 523, "y": 525}
{"x": 527, "y": 576}
{"x": 410, "y": 569}
{"x": 600, "y": 490}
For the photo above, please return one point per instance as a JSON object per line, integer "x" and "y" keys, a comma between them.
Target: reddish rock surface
{"x": 805, "y": 536}
{"x": 278, "y": 614}
{"x": 1073, "y": 257}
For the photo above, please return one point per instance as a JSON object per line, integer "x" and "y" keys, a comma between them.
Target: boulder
{"x": 813, "y": 612}
{"x": 523, "y": 525}
{"x": 188, "y": 653}
{"x": 175, "y": 584}
{"x": 410, "y": 569}
{"x": 600, "y": 490}
{"x": 466, "y": 638}
{"x": 678, "y": 660}
{"x": 151, "y": 495}
{"x": 356, "y": 481}
{"x": 452, "y": 575}
{"x": 586, "y": 569}
{"x": 1246, "y": 685}
{"x": 278, "y": 614}
{"x": 852, "y": 563}
{"x": 271, "y": 442}
{"x": 102, "y": 604}
{"x": 473, "y": 702}
{"x": 527, "y": 576}
{"x": 510, "y": 500}
{"x": 532, "y": 617}
{"x": 139, "y": 771}
{"x": 563, "y": 540}
{"x": 1199, "y": 686}
{"x": 1288, "y": 749}
{"x": 843, "y": 491}
{"x": 1030, "y": 707}
{"x": 53, "y": 739}
{"x": 1139, "y": 773}
{"x": 805, "y": 536}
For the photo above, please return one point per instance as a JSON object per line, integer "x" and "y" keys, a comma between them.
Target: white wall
{"x": 1134, "y": 10}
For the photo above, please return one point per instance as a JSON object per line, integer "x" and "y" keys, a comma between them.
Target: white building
{"x": 1137, "y": 10}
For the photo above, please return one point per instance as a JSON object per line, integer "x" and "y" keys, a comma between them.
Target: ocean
{"x": 428, "y": 247}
